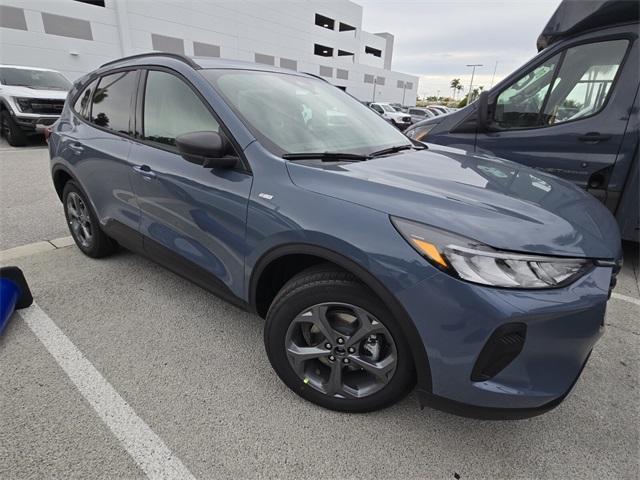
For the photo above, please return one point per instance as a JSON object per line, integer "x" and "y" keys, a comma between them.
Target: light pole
{"x": 494, "y": 75}
{"x": 473, "y": 72}
{"x": 404, "y": 90}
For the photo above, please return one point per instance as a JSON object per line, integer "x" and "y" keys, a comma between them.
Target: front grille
{"x": 47, "y": 106}
{"x": 504, "y": 345}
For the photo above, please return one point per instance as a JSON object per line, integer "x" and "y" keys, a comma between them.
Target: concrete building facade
{"x": 324, "y": 38}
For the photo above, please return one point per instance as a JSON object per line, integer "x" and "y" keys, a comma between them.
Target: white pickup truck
{"x": 400, "y": 119}
{"x": 31, "y": 99}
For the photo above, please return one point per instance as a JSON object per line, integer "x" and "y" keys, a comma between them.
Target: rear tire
{"x": 352, "y": 311}
{"x": 11, "y": 131}
{"x": 83, "y": 223}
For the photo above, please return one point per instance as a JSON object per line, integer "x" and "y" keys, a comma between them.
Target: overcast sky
{"x": 435, "y": 39}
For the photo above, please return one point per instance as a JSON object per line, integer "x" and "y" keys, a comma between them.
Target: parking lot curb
{"x": 34, "y": 248}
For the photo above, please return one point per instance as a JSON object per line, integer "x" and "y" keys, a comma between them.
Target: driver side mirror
{"x": 209, "y": 149}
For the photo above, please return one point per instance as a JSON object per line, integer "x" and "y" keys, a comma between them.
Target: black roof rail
{"x": 177, "y": 56}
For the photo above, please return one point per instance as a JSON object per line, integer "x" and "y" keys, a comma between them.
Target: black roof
{"x": 573, "y": 17}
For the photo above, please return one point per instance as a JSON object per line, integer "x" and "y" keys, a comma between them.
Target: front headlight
{"x": 24, "y": 104}
{"x": 478, "y": 263}
{"x": 419, "y": 133}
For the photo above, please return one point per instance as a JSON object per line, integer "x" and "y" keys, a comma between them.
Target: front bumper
{"x": 35, "y": 123}
{"x": 456, "y": 319}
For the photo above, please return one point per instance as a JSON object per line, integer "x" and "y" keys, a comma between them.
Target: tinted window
{"x": 112, "y": 101}
{"x": 171, "y": 108}
{"x": 583, "y": 78}
{"x": 83, "y": 102}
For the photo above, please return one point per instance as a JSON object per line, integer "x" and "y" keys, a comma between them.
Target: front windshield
{"x": 297, "y": 114}
{"x": 388, "y": 108}
{"x": 38, "y": 79}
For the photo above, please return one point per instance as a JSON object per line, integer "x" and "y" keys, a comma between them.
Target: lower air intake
{"x": 504, "y": 345}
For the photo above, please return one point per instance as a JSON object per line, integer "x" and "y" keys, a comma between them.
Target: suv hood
{"x": 497, "y": 202}
{"x": 16, "y": 91}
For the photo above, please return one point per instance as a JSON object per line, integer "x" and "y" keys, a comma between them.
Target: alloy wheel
{"x": 341, "y": 350}
{"x": 79, "y": 219}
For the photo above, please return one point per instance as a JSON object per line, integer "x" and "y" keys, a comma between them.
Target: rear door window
{"x": 112, "y": 101}
{"x": 83, "y": 103}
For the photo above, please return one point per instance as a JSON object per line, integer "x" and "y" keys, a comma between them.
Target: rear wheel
{"x": 83, "y": 223}
{"x": 332, "y": 341}
{"x": 11, "y": 131}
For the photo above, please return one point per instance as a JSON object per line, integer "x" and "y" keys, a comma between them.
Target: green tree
{"x": 455, "y": 86}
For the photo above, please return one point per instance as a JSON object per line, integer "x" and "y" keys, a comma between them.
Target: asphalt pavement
{"x": 192, "y": 369}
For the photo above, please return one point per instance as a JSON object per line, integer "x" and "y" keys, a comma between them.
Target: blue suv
{"x": 377, "y": 262}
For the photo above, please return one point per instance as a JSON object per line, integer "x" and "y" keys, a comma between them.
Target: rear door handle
{"x": 145, "y": 171}
{"x": 594, "y": 137}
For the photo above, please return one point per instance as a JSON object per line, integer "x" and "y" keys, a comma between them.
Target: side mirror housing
{"x": 483, "y": 111}
{"x": 209, "y": 149}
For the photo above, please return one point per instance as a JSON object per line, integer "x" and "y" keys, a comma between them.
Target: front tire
{"x": 11, "y": 131}
{"x": 333, "y": 342}
{"x": 83, "y": 223}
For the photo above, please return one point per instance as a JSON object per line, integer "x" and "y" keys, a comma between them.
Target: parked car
{"x": 30, "y": 100}
{"x": 570, "y": 111}
{"x": 377, "y": 263}
{"x": 419, "y": 113}
{"x": 386, "y": 111}
{"x": 438, "y": 109}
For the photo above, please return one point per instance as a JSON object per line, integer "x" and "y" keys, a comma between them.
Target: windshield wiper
{"x": 326, "y": 156}
{"x": 397, "y": 148}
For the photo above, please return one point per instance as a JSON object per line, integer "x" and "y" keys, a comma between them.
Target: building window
{"x": 205, "y": 50}
{"x": 325, "y": 22}
{"x": 344, "y": 53}
{"x": 322, "y": 50}
{"x": 326, "y": 71}
{"x": 380, "y": 80}
{"x": 12, "y": 17}
{"x": 342, "y": 74}
{"x": 401, "y": 84}
{"x": 373, "y": 51}
{"x": 287, "y": 63}
{"x": 265, "y": 59}
{"x": 97, "y": 3}
{"x": 66, "y": 26}
{"x": 408, "y": 85}
{"x": 368, "y": 78}
{"x": 345, "y": 27}
{"x": 167, "y": 44}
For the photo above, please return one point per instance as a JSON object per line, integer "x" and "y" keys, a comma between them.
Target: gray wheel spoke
{"x": 302, "y": 354}
{"x": 317, "y": 316}
{"x": 380, "y": 369}
{"x": 334, "y": 384}
{"x": 366, "y": 328}
{"x": 85, "y": 232}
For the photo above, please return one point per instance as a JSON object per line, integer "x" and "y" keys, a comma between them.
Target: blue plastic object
{"x": 14, "y": 294}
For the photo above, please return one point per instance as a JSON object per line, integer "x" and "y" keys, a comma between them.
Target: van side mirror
{"x": 483, "y": 111}
{"x": 209, "y": 149}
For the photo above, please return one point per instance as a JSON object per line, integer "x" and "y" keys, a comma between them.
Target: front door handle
{"x": 145, "y": 171}
{"x": 76, "y": 147}
{"x": 594, "y": 137}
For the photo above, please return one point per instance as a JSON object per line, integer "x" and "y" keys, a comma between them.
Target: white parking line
{"x": 619, "y": 296}
{"x": 145, "y": 447}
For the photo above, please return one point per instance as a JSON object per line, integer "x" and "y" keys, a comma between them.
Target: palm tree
{"x": 460, "y": 87}
{"x": 455, "y": 84}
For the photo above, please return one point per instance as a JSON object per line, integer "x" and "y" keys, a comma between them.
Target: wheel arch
{"x": 61, "y": 176}
{"x": 322, "y": 255}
